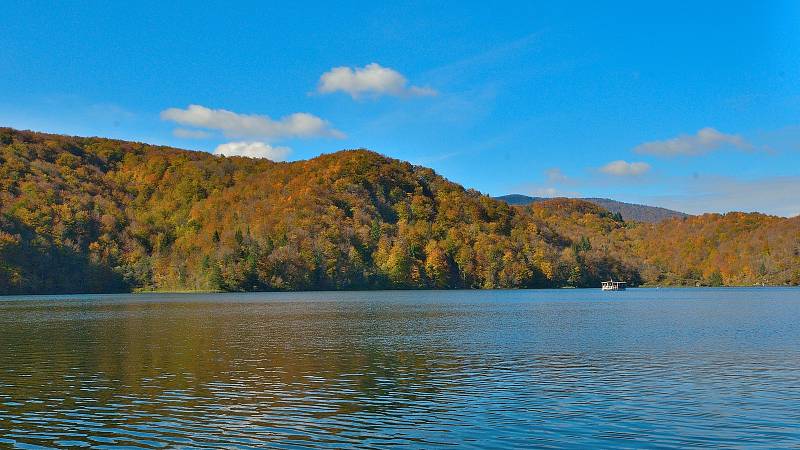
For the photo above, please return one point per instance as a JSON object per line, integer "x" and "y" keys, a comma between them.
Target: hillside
{"x": 734, "y": 249}
{"x": 100, "y": 215}
{"x": 628, "y": 211}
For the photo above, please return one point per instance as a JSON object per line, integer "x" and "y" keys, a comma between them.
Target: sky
{"x": 693, "y": 106}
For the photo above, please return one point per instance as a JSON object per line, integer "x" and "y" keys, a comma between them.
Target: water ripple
{"x": 515, "y": 369}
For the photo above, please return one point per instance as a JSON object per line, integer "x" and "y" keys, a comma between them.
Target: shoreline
{"x": 189, "y": 291}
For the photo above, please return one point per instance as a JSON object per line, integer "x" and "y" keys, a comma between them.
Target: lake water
{"x": 419, "y": 369}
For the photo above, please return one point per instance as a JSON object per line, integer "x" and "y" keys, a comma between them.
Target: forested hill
{"x": 628, "y": 211}
{"x": 100, "y": 215}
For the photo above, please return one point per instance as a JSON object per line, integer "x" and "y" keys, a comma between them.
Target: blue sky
{"x": 690, "y": 106}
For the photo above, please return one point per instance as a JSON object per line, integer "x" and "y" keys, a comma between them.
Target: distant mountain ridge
{"x": 629, "y": 211}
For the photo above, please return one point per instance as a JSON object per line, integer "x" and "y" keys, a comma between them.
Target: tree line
{"x": 100, "y": 215}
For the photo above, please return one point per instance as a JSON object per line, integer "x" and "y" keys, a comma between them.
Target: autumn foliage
{"x": 99, "y": 215}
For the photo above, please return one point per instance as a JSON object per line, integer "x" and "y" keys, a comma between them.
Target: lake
{"x": 416, "y": 369}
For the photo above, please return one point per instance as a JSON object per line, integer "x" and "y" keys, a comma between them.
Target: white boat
{"x": 612, "y": 285}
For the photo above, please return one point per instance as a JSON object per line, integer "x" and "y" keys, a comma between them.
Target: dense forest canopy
{"x": 100, "y": 215}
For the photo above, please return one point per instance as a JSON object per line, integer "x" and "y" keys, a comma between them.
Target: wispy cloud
{"x": 184, "y": 133}
{"x": 371, "y": 80}
{"x": 428, "y": 160}
{"x": 772, "y": 195}
{"x": 488, "y": 59}
{"x": 297, "y": 125}
{"x": 550, "y": 191}
{"x": 622, "y": 168}
{"x": 704, "y": 141}
{"x": 555, "y": 175}
{"x": 544, "y": 192}
{"x": 557, "y": 185}
{"x": 253, "y": 149}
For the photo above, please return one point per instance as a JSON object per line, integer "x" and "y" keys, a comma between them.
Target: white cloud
{"x": 623, "y": 168}
{"x": 190, "y": 134}
{"x": 300, "y": 125}
{"x": 253, "y": 150}
{"x": 371, "y": 80}
{"x": 706, "y": 140}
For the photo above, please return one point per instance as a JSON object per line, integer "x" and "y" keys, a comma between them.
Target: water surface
{"x": 420, "y": 369}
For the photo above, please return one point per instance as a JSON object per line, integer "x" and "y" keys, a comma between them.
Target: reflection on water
{"x": 708, "y": 367}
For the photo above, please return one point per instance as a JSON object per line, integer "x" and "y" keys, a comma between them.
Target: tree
{"x": 437, "y": 266}
{"x": 715, "y": 279}
{"x": 399, "y": 264}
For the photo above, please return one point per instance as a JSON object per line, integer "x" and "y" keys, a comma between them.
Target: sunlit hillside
{"x": 100, "y": 215}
